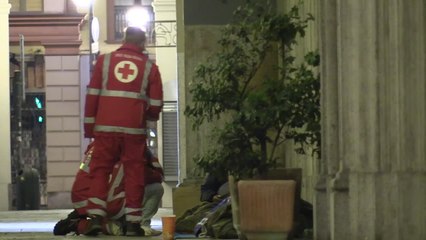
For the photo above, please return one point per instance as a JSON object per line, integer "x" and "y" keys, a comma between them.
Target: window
{"x": 117, "y": 20}
{"x": 26, "y": 5}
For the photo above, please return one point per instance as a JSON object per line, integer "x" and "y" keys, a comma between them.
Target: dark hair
{"x": 134, "y": 35}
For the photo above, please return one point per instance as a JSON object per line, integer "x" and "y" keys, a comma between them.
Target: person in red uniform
{"x": 77, "y": 221}
{"x": 124, "y": 92}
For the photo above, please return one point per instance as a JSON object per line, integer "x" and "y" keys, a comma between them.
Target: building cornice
{"x": 58, "y": 33}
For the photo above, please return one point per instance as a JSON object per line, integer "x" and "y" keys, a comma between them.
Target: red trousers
{"x": 107, "y": 151}
{"x": 116, "y": 196}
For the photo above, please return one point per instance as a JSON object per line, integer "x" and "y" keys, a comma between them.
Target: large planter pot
{"x": 290, "y": 174}
{"x": 266, "y": 208}
{"x": 294, "y": 174}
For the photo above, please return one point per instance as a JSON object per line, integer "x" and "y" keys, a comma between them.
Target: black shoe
{"x": 94, "y": 226}
{"x": 133, "y": 229}
{"x": 65, "y": 226}
{"x": 75, "y": 215}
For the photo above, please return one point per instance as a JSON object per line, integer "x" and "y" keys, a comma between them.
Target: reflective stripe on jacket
{"x": 125, "y": 91}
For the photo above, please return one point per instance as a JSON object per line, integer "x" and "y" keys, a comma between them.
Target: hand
{"x": 217, "y": 197}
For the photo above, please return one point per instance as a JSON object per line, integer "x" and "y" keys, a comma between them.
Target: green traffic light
{"x": 38, "y": 103}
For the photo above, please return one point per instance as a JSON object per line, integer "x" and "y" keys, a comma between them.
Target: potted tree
{"x": 262, "y": 102}
{"x": 261, "y": 93}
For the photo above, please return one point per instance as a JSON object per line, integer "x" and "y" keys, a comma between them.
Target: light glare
{"x": 137, "y": 17}
{"x": 83, "y": 3}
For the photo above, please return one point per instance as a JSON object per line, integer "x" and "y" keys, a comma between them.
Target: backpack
{"x": 218, "y": 222}
{"x": 186, "y": 222}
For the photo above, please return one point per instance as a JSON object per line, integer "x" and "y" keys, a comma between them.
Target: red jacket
{"x": 124, "y": 91}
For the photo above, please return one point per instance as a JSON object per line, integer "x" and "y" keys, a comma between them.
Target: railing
{"x": 163, "y": 34}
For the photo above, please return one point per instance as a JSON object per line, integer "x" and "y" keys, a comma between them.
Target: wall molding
{"x": 58, "y": 33}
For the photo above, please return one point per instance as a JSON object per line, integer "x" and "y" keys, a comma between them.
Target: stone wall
{"x": 198, "y": 34}
{"x": 63, "y": 133}
{"x": 373, "y": 181}
{"x": 200, "y": 41}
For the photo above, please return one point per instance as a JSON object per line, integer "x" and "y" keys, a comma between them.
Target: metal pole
{"x": 22, "y": 47}
{"x": 18, "y": 103}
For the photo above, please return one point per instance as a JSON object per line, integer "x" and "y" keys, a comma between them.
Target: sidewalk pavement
{"x": 38, "y": 224}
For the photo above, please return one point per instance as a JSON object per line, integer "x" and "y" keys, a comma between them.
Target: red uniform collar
{"x": 131, "y": 47}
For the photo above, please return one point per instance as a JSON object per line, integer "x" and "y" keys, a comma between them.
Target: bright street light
{"x": 137, "y": 16}
{"x": 85, "y": 4}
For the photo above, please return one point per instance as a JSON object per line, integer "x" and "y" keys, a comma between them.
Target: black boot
{"x": 75, "y": 215}
{"x": 133, "y": 229}
{"x": 65, "y": 226}
{"x": 94, "y": 225}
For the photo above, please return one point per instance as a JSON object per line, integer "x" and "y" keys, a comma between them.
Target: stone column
{"x": 5, "y": 161}
{"x": 374, "y": 112}
{"x": 165, "y": 51}
{"x": 166, "y": 59}
{"x": 180, "y": 49}
{"x": 329, "y": 117}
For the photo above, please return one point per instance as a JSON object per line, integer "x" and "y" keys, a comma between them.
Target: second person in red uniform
{"x": 77, "y": 221}
{"x": 124, "y": 92}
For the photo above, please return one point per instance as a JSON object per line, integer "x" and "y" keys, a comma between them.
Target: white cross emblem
{"x": 125, "y": 71}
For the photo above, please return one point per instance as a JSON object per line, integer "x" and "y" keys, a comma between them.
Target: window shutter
{"x": 170, "y": 141}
